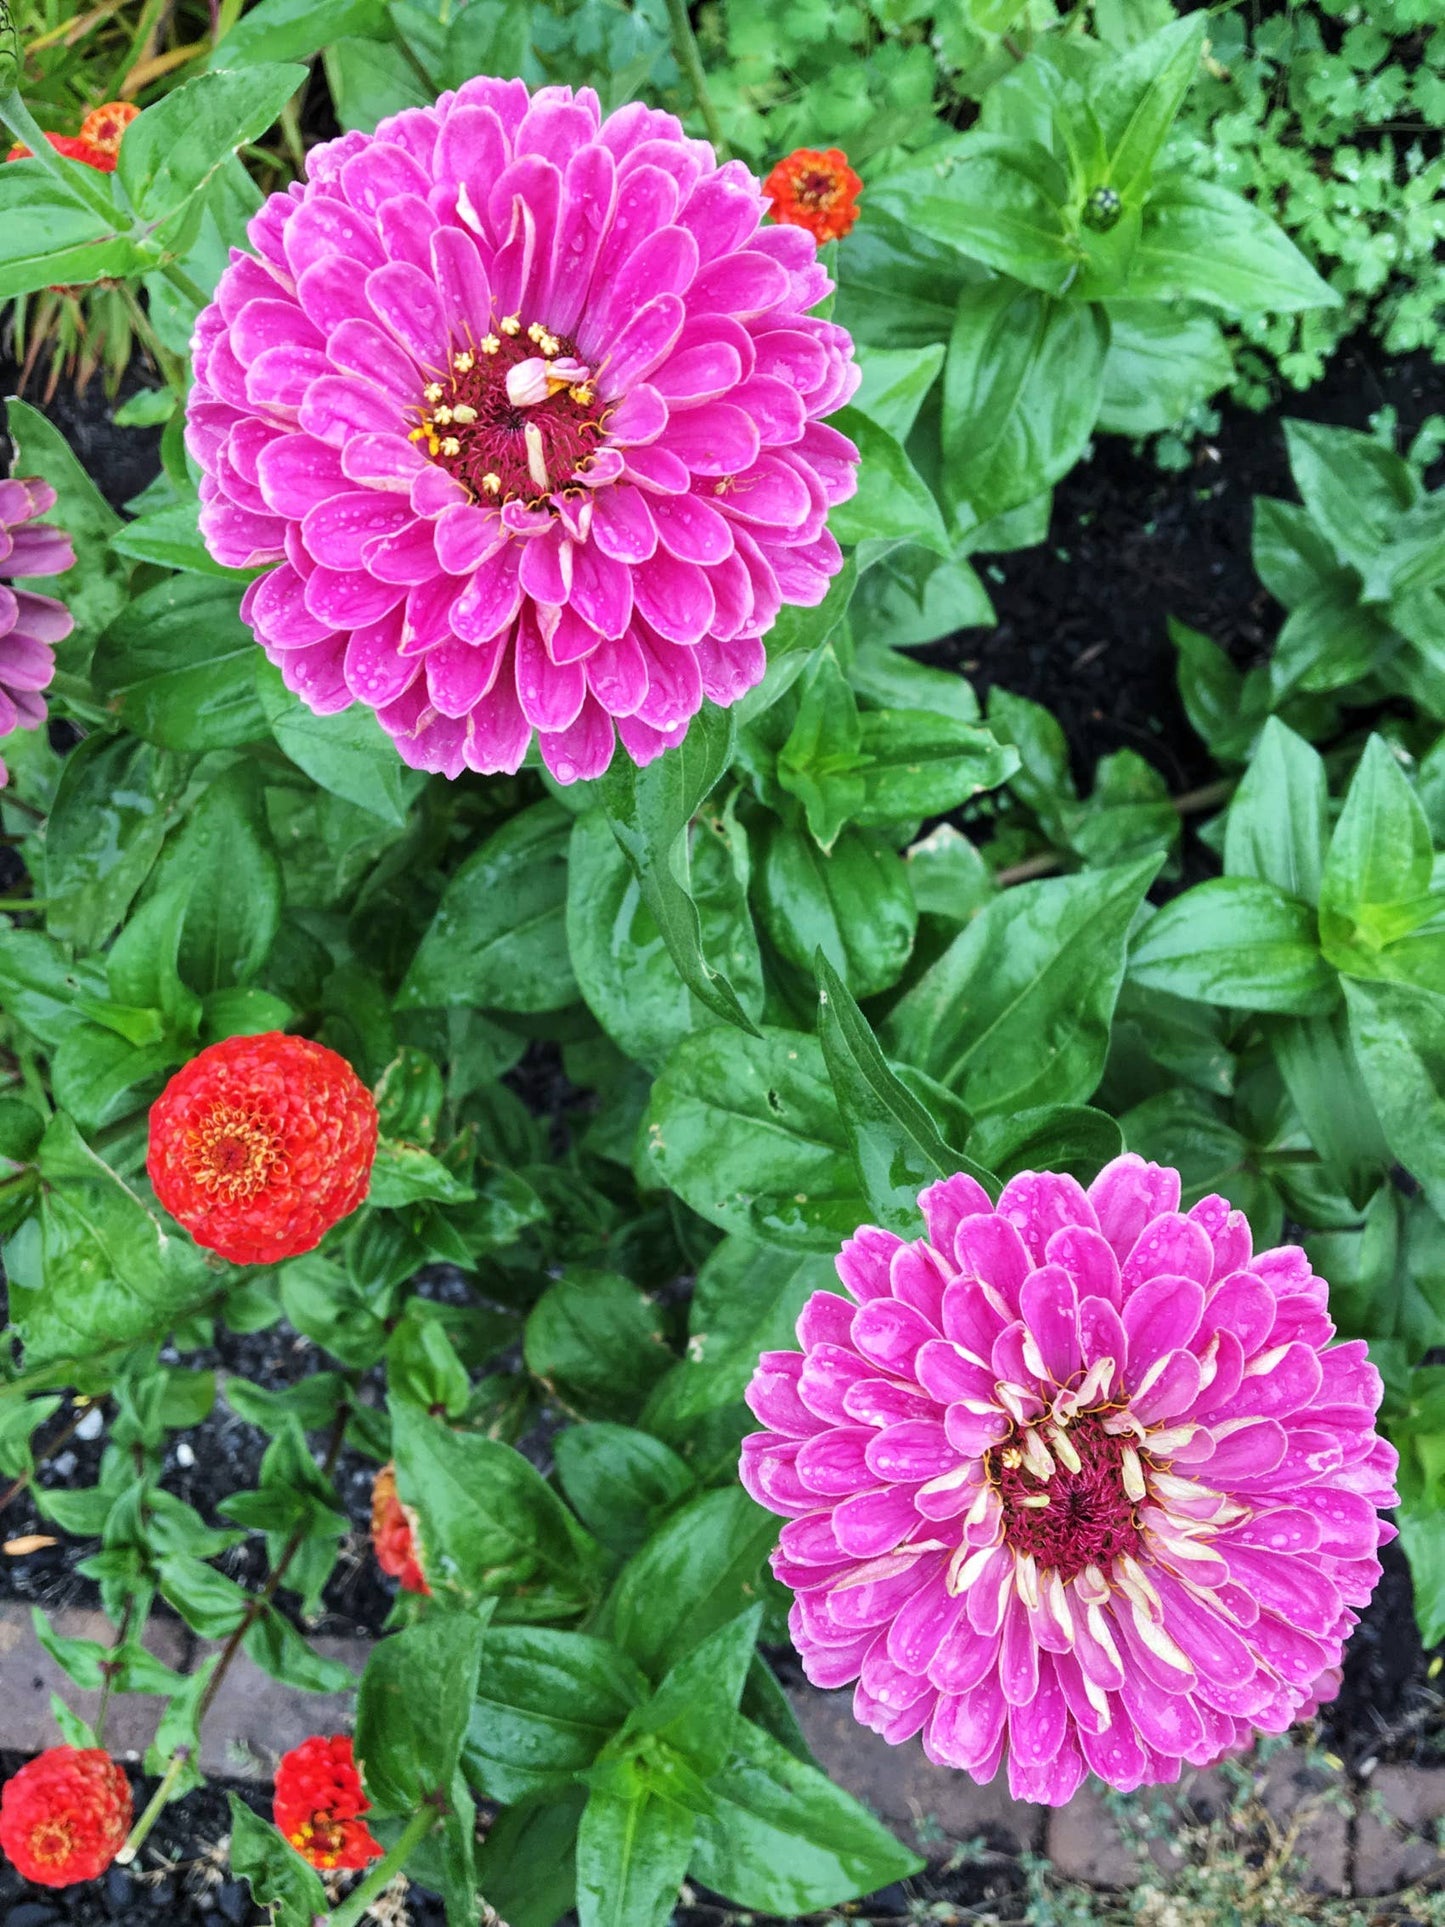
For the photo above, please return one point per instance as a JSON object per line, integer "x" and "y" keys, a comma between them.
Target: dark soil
{"x": 1081, "y": 620}
{"x": 120, "y": 461}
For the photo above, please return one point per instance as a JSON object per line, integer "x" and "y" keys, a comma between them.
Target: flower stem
{"x": 684, "y": 45}
{"x": 162, "y": 1794}
{"x": 352, "y": 1909}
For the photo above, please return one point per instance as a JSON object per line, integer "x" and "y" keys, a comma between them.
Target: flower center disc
{"x": 1074, "y": 1519}
{"x": 233, "y": 1153}
{"x": 501, "y": 448}
{"x": 53, "y": 1841}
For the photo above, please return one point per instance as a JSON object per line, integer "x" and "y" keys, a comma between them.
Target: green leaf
{"x": 618, "y": 1481}
{"x": 1239, "y": 942}
{"x": 1399, "y": 1036}
{"x": 895, "y": 381}
{"x": 1323, "y": 1076}
{"x": 1328, "y": 641}
{"x": 893, "y": 503}
{"x": 39, "y": 986}
{"x": 632, "y": 1854}
{"x": 226, "y": 861}
{"x": 694, "y": 1710}
{"x": 297, "y": 29}
{"x": 997, "y": 199}
{"x": 1138, "y": 96}
{"x": 624, "y": 967}
{"x": 409, "y": 1733}
{"x": 1021, "y": 394}
{"x": 1203, "y": 243}
{"x": 896, "y": 1145}
{"x": 746, "y": 1301}
{"x": 111, "y": 1273}
{"x": 53, "y": 238}
{"x": 1376, "y": 884}
{"x": 696, "y": 1573}
{"x": 919, "y": 763}
{"x": 1050, "y": 1137}
{"x": 593, "y": 1338}
{"x": 276, "y": 1874}
{"x": 547, "y": 1703}
{"x": 783, "y": 1839}
{"x": 1292, "y": 558}
{"x": 527, "y": 1866}
{"x": 175, "y": 147}
{"x": 490, "y": 1525}
{"x": 854, "y": 902}
{"x": 1162, "y": 362}
{"x": 95, "y": 1071}
{"x": 178, "y": 666}
{"x": 912, "y": 595}
{"x": 897, "y": 288}
{"x": 348, "y": 754}
{"x": 1016, "y": 1012}
{"x": 498, "y": 939}
{"x": 746, "y": 1131}
{"x": 405, "y": 1174}
{"x": 1224, "y": 707}
{"x": 1353, "y": 487}
{"x": 97, "y": 587}
{"x": 116, "y": 800}
{"x": 1278, "y": 822}
{"x": 649, "y": 809}
{"x": 171, "y": 538}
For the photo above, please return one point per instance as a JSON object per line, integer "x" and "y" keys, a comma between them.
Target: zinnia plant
{"x": 30, "y": 624}
{"x": 521, "y": 409}
{"x": 65, "y": 1815}
{"x": 319, "y": 1802}
{"x": 1079, "y": 1479}
{"x": 261, "y": 1144}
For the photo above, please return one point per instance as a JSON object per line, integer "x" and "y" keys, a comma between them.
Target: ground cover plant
{"x": 492, "y": 896}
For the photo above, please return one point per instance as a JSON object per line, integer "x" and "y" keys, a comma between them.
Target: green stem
{"x": 684, "y": 45}
{"x": 351, "y": 1910}
{"x": 171, "y": 366}
{"x": 162, "y": 1794}
{"x": 183, "y": 283}
{"x": 22, "y": 903}
{"x": 75, "y": 177}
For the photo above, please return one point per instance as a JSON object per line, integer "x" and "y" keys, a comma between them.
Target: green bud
{"x": 1102, "y": 209}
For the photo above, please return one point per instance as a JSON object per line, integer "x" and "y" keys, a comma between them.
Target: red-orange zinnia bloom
{"x": 103, "y": 126}
{"x": 261, "y": 1144}
{"x": 97, "y": 143}
{"x": 815, "y": 189}
{"x": 65, "y": 1815}
{"x": 318, "y": 1804}
{"x": 393, "y": 1534}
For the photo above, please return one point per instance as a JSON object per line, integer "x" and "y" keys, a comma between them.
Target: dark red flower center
{"x": 232, "y": 1152}
{"x": 817, "y": 187}
{"x": 515, "y": 415}
{"x": 321, "y": 1839}
{"x": 1075, "y": 1518}
{"x": 52, "y": 1841}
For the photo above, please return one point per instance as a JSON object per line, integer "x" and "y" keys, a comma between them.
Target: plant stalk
{"x": 258, "y": 1602}
{"x": 353, "y": 1908}
{"x": 162, "y": 1794}
{"x": 689, "y": 58}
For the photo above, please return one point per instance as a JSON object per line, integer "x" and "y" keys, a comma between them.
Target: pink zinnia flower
{"x": 30, "y": 624}
{"x": 520, "y": 408}
{"x": 1078, "y": 1476}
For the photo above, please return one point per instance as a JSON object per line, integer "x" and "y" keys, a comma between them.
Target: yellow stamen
{"x": 464, "y": 360}
{"x": 535, "y": 332}
{"x": 451, "y": 446}
{"x": 582, "y": 394}
{"x": 492, "y": 484}
{"x": 490, "y": 344}
{"x": 511, "y": 324}
{"x": 464, "y": 414}
{"x": 442, "y": 417}
{"x": 433, "y": 392}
